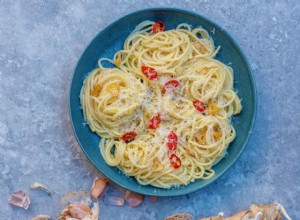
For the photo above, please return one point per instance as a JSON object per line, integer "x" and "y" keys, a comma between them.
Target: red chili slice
{"x": 200, "y": 106}
{"x": 175, "y": 161}
{"x": 155, "y": 121}
{"x": 170, "y": 86}
{"x": 172, "y": 141}
{"x": 158, "y": 27}
{"x": 128, "y": 136}
{"x": 149, "y": 72}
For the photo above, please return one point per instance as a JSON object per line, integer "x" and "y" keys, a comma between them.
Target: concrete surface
{"x": 40, "y": 43}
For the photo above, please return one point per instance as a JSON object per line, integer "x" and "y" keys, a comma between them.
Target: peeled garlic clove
{"x": 153, "y": 199}
{"x": 19, "y": 199}
{"x": 40, "y": 186}
{"x": 114, "y": 201}
{"x": 98, "y": 188}
{"x": 133, "y": 199}
{"x": 180, "y": 217}
{"x": 41, "y": 217}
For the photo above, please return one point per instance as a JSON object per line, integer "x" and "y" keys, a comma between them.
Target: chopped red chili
{"x": 175, "y": 161}
{"x": 172, "y": 141}
{"x": 149, "y": 72}
{"x": 155, "y": 121}
{"x": 170, "y": 86}
{"x": 128, "y": 136}
{"x": 200, "y": 106}
{"x": 158, "y": 27}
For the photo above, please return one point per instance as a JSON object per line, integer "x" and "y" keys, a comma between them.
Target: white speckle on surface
{"x": 23, "y": 161}
{"x": 11, "y": 153}
{"x": 254, "y": 66}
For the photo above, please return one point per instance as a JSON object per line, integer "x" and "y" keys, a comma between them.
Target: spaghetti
{"x": 164, "y": 112}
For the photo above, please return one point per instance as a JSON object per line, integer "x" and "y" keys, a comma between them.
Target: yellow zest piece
{"x": 217, "y": 135}
{"x": 200, "y": 47}
{"x": 156, "y": 166}
{"x": 204, "y": 70}
{"x": 192, "y": 154}
{"x": 114, "y": 89}
{"x": 201, "y": 136}
{"x": 118, "y": 60}
{"x": 212, "y": 108}
{"x": 96, "y": 91}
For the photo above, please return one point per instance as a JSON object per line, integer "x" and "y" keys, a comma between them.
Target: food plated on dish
{"x": 155, "y": 112}
{"x": 164, "y": 110}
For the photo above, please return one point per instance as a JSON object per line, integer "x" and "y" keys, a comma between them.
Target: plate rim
{"x": 172, "y": 192}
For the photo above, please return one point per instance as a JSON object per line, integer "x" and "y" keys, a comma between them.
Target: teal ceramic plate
{"x": 111, "y": 39}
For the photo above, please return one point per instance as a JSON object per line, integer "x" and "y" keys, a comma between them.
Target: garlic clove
{"x": 80, "y": 211}
{"x": 133, "y": 199}
{"x": 98, "y": 188}
{"x": 114, "y": 201}
{"x": 19, "y": 199}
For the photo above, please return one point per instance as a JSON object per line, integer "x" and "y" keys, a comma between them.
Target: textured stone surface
{"x": 40, "y": 42}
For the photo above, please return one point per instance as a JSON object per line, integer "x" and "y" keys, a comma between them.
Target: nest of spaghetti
{"x": 164, "y": 111}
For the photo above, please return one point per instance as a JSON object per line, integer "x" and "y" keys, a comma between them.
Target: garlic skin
{"x": 19, "y": 199}
{"x": 40, "y": 186}
{"x": 41, "y": 217}
{"x": 80, "y": 211}
{"x": 180, "y": 217}
{"x": 256, "y": 212}
{"x": 75, "y": 197}
{"x": 80, "y": 206}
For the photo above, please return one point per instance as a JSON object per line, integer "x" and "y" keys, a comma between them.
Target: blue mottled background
{"x": 40, "y": 43}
